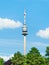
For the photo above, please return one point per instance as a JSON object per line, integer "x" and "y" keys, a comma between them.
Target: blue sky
{"x": 37, "y": 19}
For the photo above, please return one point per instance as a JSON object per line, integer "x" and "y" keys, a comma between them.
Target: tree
{"x": 47, "y": 61}
{"x": 18, "y": 59}
{"x": 47, "y": 51}
{"x": 47, "y": 55}
{"x": 34, "y": 57}
{"x": 1, "y": 61}
{"x": 34, "y": 51}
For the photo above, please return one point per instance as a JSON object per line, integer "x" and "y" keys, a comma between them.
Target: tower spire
{"x": 25, "y": 16}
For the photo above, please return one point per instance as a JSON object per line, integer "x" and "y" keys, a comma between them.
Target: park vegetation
{"x": 33, "y": 57}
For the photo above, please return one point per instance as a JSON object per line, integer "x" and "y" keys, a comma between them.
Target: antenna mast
{"x": 25, "y": 17}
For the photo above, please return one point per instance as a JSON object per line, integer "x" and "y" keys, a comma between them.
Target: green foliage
{"x": 34, "y": 51}
{"x": 1, "y": 61}
{"x": 47, "y": 51}
{"x": 32, "y": 58}
{"x": 47, "y": 55}
{"x": 17, "y": 59}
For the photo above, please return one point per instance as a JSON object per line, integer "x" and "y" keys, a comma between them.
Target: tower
{"x": 24, "y": 32}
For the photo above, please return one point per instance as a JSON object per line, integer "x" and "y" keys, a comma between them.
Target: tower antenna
{"x": 25, "y": 16}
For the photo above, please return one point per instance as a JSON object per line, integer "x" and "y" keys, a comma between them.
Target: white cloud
{"x": 43, "y": 33}
{"x": 8, "y": 23}
{"x": 6, "y": 57}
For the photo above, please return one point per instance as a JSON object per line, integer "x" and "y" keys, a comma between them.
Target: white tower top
{"x": 24, "y": 31}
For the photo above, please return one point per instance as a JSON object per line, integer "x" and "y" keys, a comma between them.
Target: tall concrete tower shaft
{"x": 24, "y": 32}
{"x": 24, "y": 45}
